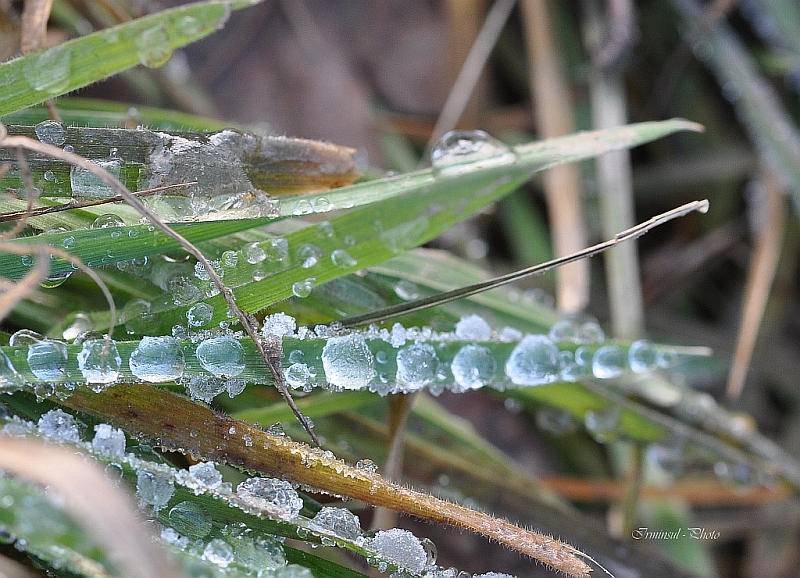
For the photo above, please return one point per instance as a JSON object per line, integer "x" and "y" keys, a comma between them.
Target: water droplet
{"x": 189, "y": 26}
{"x": 277, "y": 493}
{"x": 183, "y": 289}
{"x": 461, "y": 151}
{"x": 473, "y": 328}
{"x": 555, "y": 421}
{"x": 473, "y": 366}
{"x": 190, "y": 519}
{"x": 297, "y": 375}
{"x": 99, "y": 362}
{"x": 277, "y": 250}
{"x": 81, "y": 323}
{"x": 154, "y": 488}
{"x": 200, "y": 314}
{"x": 24, "y": 338}
{"x": 609, "y": 362}
{"x": 279, "y": 325}
{"x": 229, "y": 259}
{"x": 153, "y": 47}
{"x": 222, "y": 356}
{"x": 303, "y": 288}
{"x": 157, "y": 359}
{"x": 642, "y": 356}
{"x": 107, "y": 220}
{"x": 430, "y": 551}
{"x": 47, "y": 359}
{"x": 205, "y": 475}
{"x": 308, "y": 255}
{"x": 342, "y": 258}
{"x": 253, "y": 253}
{"x": 534, "y": 361}
{"x": 302, "y": 207}
{"x": 340, "y": 521}
{"x": 416, "y": 367}
{"x": 491, "y": 575}
{"x": 49, "y": 71}
{"x": 348, "y": 362}
{"x": 219, "y": 552}
{"x": 27, "y": 260}
{"x": 322, "y": 205}
{"x": 51, "y": 132}
{"x": 137, "y": 316}
{"x": 86, "y": 184}
{"x": 108, "y": 440}
{"x": 401, "y": 548}
{"x": 603, "y": 424}
{"x": 591, "y": 332}
{"x": 204, "y": 387}
{"x": 367, "y": 465}
{"x": 59, "y": 426}
{"x": 325, "y": 229}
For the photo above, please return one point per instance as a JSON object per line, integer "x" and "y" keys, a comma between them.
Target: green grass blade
{"x": 414, "y": 209}
{"x": 150, "y": 40}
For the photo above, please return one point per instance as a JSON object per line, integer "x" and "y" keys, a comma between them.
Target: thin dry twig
{"x": 448, "y": 296}
{"x": 269, "y": 349}
{"x": 39, "y": 211}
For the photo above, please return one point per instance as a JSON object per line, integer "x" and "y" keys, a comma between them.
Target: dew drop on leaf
{"x": 153, "y": 46}
{"x": 222, "y": 356}
{"x": 59, "y": 426}
{"x": 534, "y": 361}
{"x": 608, "y": 362}
{"x": 51, "y": 132}
{"x": 157, "y": 359}
{"x": 99, "y": 362}
{"x": 416, "y": 367}
{"x": 108, "y": 440}
{"x": 461, "y": 151}
{"x": 473, "y": 366}
{"x": 348, "y": 362}
{"x": 47, "y": 359}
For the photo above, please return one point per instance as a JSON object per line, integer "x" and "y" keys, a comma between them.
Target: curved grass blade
{"x": 150, "y": 40}
{"x": 413, "y": 209}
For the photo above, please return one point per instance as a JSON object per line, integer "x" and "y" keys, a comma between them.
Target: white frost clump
{"x": 473, "y": 328}
{"x": 401, "y": 548}
{"x": 279, "y": 325}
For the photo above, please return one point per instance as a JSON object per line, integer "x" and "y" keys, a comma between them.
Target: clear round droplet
{"x": 190, "y": 520}
{"x": 153, "y": 46}
{"x": 222, "y": 356}
{"x": 303, "y": 288}
{"x": 308, "y": 255}
{"x": 49, "y": 71}
{"x": 461, "y": 151}
{"x": 342, "y": 258}
{"x": 253, "y": 253}
{"x": 99, "y": 361}
{"x": 348, "y": 362}
{"x": 51, "y": 132}
{"x": 107, "y": 220}
{"x": 534, "y": 361}
{"x": 200, "y": 314}
{"x": 47, "y": 359}
{"x": 609, "y": 362}
{"x": 157, "y": 359}
{"x": 473, "y": 366}
{"x": 416, "y": 367}
{"x": 642, "y": 356}
{"x": 555, "y": 421}
{"x": 603, "y": 424}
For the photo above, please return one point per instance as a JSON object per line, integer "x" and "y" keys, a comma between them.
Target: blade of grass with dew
{"x": 91, "y": 112}
{"x": 208, "y": 514}
{"x": 149, "y": 40}
{"x": 427, "y": 204}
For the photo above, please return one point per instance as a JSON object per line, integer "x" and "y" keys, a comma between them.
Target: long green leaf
{"x": 150, "y": 40}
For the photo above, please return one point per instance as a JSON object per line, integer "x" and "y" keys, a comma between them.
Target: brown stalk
{"x": 167, "y": 420}
{"x": 270, "y": 350}
{"x": 553, "y": 111}
{"x": 760, "y": 276}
